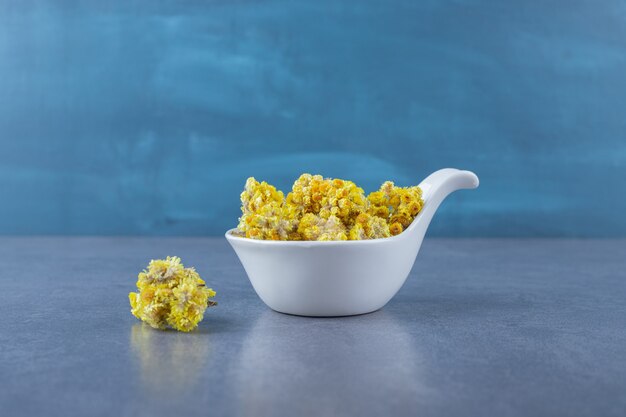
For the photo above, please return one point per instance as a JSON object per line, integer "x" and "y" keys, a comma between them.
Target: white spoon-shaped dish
{"x": 342, "y": 278}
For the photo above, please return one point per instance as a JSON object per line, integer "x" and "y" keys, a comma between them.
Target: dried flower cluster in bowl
{"x": 320, "y": 208}
{"x": 170, "y": 295}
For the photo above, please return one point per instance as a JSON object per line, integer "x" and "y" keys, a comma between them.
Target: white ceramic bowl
{"x": 342, "y": 278}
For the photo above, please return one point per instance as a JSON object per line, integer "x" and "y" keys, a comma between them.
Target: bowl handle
{"x": 436, "y": 187}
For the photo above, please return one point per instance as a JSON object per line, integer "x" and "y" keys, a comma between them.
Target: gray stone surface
{"x": 482, "y": 327}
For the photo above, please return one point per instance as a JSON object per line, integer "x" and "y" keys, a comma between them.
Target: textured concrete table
{"x": 482, "y": 327}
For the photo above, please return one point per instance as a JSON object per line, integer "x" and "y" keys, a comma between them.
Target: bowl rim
{"x": 308, "y": 243}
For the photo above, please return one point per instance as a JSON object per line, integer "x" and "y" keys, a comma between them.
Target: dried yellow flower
{"x": 326, "y": 198}
{"x": 396, "y": 204}
{"x": 265, "y": 215}
{"x": 170, "y": 295}
{"x": 319, "y": 208}
{"x": 369, "y": 227}
{"x": 315, "y": 227}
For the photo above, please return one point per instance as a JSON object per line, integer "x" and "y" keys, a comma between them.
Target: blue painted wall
{"x": 146, "y": 117}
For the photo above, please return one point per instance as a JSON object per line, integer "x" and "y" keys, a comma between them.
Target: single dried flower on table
{"x": 170, "y": 295}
